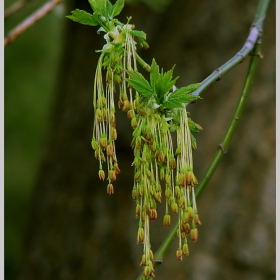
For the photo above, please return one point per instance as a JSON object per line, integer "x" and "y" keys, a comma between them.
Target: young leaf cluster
{"x": 160, "y": 88}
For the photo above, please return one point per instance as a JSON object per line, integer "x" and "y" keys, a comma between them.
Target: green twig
{"x": 252, "y": 46}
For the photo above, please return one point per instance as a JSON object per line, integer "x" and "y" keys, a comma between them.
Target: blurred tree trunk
{"x": 75, "y": 231}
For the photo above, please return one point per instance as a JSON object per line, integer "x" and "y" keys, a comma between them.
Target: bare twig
{"x": 40, "y": 13}
{"x": 14, "y": 7}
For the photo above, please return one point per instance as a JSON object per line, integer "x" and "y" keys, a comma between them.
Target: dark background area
{"x": 59, "y": 221}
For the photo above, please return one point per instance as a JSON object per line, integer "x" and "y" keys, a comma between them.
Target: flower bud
{"x": 116, "y": 168}
{"x": 112, "y": 119}
{"x": 168, "y": 192}
{"x": 134, "y": 194}
{"x": 174, "y": 208}
{"x": 137, "y": 176}
{"x": 134, "y": 123}
{"x": 181, "y": 202}
{"x": 129, "y": 114}
{"x": 101, "y": 174}
{"x": 140, "y": 235}
{"x": 153, "y": 214}
{"x": 186, "y": 249}
{"x": 98, "y": 114}
{"x": 143, "y": 260}
{"x": 94, "y": 144}
{"x": 126, "y": 105}
{"x": 146, "y": 271}
{"x": 113, "y": 133}
{"x": 194, "y": 234}
{"x": 110, "y": 149}
{"x": 166, "y": 220}
{"x": 179, "y": 254}
{"x": 103, "y": 142}
{"x": 110, "y": 189}
{"x": 137, "y": 210}
{"x": 159, "y": 156}
{"x": 190, "y": 212}
{"x": 177, "y": 192}
{"x": 112, "y": 175}
{"x": 196, "y": 219}
{"x": 172, "y": 163}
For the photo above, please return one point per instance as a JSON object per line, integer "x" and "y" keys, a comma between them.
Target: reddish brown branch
{"x": 40, "y": 13}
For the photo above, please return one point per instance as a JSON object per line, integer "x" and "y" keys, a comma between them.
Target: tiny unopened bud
{"x": 194, "y": 234}
{"x": 137, "y": 210}
{"x": 174, "y": 208}
{"x": 153, "y": 214}
{"x": 172, "y": 163}
{"x": 146, "y": 271}
{"x": 179, "y": 254}
{"x": 134, "y": 194}
{"x": 101, "y": 174}
{"x": 94, "y": 144}
{"x": 98, "y": 113}
{"x": 137, "y": 176}
{"x": 177, "y": 192}
{"x": 140, "y": 235}
{"x": 190, "y": 212}
{"x": 181, "y": 202}
{"x": 116, "y": 168}
{"x": 159, "y": 156}
{"x": 143, "y": 260}
{"x": 168, "y": 192}
{"x": 110, "y": 149}
{"x": 168, "y": 180}
{"x": 113, "y": 133}
{"x": 112, "y": 175}
{"x": 166, "y": 220}
{"x": 103, "y": 142}
{"x": 134, "y": 123}
{"x": 129, "y": 114}
{"x": 110, "y": 189}
{"x": 186, "y": 249}
{"x": 126, "y": 105}
{"x": 151, "y": 255}
{"x": 112, "y": 119}
{"x": 196, "y": 219}
{"x": 182, "y": 179}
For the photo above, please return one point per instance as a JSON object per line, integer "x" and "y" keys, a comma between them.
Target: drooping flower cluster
{"x": 163, "y": 171}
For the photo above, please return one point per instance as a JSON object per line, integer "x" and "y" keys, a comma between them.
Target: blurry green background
{"x": 30, "y": 70}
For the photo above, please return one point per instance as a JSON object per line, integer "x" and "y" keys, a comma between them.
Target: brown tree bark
{"x": 75, "y": 231}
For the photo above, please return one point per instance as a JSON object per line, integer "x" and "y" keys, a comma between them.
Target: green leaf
{"x": 99, "y": 7}
{"x": 116, "y": 8}
{"x": 161, "y": 82}
{"x": 181, "y": 96}
{"x": 140, "y": 84}
{"x": 139, "y": 34}
{"x": 83, "y": 17}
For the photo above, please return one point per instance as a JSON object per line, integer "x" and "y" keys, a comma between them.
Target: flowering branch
{"x": 23, "y": 26}
{"x": 252, "y": 45}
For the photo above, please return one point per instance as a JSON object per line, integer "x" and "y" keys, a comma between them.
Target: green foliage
{"x": 160, "y": 88}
